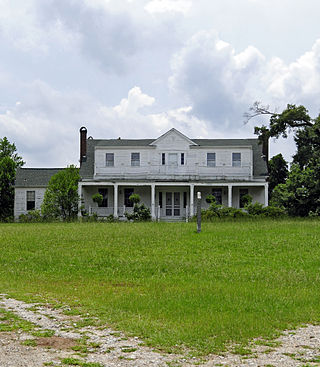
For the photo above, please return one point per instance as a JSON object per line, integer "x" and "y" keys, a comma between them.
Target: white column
{"x": 80, "y": 201}
{"x": 115, "y": 200}
{"x": 266, "y": 198}
{"x": 230, "y": 196}
{"x": 153, "y": 201}
{"x": 191, "y": 200}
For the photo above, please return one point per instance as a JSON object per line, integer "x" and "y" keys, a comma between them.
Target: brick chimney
{"x": 83, "y": 144}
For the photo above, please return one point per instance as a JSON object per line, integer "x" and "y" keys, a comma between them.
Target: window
{"x": 135, "y": 159}
{"x": 104, "y": 193}
{"x": 182, "y": 159}
{"x": 236, "y": 159}
{"x": 184, "y": 199}
{"x": 217, "y": 193}
{"x": 160, "y": 199}
{"x": 163, "y": 158}
{"x": 242, "y": 193}
{"x": 31, "y": 200}
{"x": 110, "y": 159}
{"x": 211, "y": 159}
{"x": 127, "y": 194}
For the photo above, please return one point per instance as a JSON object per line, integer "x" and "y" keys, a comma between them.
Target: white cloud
{"x": 164, "y": 6}
{"x": 221, "y": 84}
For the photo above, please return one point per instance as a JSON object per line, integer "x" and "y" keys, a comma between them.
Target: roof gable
{"x": 170, "y": 137}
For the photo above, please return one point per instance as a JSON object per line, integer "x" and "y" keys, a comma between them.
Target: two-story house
{"x": 167, "y": 172}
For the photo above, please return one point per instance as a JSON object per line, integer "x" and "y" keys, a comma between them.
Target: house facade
{"x": 166, "y": 172}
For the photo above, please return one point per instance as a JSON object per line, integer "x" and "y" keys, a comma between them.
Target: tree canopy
{"x": 61, "y": 197}
{"x": 9, "y": 162}
{"x": 299, "y": 194}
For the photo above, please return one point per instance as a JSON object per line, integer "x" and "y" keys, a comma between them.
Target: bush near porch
{"x": 164, "y": 282}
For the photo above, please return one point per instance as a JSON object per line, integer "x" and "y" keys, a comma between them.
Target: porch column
{"x": 115, "y": 200}
{"x": 266, "y": 197}
{"x": 80, "y": 199}
{"x": 153, "y": 201}
{"x": 191, "y": 200}
{"x": 229, "y": 196}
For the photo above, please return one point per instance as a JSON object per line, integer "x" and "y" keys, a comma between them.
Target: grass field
{"x": 168, "y": 284}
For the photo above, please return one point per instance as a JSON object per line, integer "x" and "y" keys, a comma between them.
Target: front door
{"x": 173, "y": 204}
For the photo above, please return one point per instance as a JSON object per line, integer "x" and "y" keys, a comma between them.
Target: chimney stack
{"x": 83, "y": 144}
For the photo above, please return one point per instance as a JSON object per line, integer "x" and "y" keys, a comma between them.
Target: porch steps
{"x": 172, "y": 220}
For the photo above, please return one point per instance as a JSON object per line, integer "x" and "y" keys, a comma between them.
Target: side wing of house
{"x": 30, "y": 186}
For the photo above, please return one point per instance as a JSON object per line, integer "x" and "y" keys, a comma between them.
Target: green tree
{"x": 61, "y": 197}
{"x": 278, "y": 172}
{"x": 9, "y": 162}
{"x": 300, "y": 193}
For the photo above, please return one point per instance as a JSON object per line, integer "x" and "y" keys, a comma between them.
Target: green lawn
{"x": 168, "y": 284}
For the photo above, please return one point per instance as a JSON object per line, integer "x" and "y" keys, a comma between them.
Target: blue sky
{"x": 136, "y": 68}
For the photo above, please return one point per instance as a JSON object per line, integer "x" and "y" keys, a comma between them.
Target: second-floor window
{"x": 163, "y": 159}
{"x": 236, "y": 159}
{"x": 31, "y": 200}
{"x": 110, "y": 159}
{"x": 211, "y": 159}
{"x": 135, "y": 159}
{"x": 182, "y": 159}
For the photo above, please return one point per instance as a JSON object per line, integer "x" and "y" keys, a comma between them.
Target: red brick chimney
{"x": 83, "y": 144}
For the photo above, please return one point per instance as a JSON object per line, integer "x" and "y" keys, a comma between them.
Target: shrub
{"x": 274, "y": 212}
{"x": 33, "y": 216}
{"x": 140, "y": 213}
{"x": 134, "y": 198}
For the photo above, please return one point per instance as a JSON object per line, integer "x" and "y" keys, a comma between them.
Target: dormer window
{"x": 236, "y": 159}
{"x": 109, "y": 159}
{"x": 135, "y": 159}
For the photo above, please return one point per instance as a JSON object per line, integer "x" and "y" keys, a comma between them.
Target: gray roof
{"x": 259, "y": 164}
{"x": 34, "y": 177}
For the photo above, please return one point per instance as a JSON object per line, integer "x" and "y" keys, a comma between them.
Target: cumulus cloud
{"x": 220, "y": 84}
{"x": 45, "y": 125}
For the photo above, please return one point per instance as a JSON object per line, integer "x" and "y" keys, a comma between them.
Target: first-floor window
{"x": 104, "y": 193}
{"x": 211, "y": 159}
{"x": 184, "y": 199}
{"x": 242, "y": 193}
{"x": 160, "y": 199}
{"x": 217, "y": 193}
{"x": 31, "y": 200}
{"x": 127, "y": 193}
{"x": 110, "y": 159}
{"x": 236, "y": 159}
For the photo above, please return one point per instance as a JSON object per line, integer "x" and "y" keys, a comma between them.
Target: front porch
{"x": 166, "y": 200}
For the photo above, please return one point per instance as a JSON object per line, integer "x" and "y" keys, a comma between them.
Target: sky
{"x": 137, "y": 68}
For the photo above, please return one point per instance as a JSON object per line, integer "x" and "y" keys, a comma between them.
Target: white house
{"x": 166, "y": 172}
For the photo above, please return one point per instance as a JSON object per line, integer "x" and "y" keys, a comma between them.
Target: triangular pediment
{"x": 172, "y": 135}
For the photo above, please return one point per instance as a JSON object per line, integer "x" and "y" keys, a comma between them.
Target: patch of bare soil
{"x": 106, "y": 347}
{"x": 56, "y": 342}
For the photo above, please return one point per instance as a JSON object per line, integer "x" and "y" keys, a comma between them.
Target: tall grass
{"x": 168, "y": 284}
